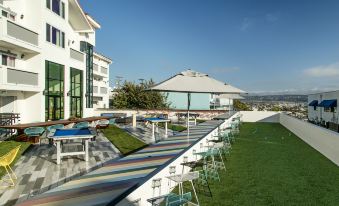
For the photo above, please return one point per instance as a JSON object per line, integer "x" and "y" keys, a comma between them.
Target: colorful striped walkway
{"x": 111, "y": 183}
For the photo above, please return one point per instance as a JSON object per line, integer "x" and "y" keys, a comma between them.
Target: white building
{"x": 322, "y": 107}
{"x": 46, "y": 49}
{"x": 101, "y": 89}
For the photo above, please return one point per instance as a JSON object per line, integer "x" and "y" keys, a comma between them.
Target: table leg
{"x": 58, "y": 151}
{"x": 86, "y": 150}
{"x": 195, "y": 193}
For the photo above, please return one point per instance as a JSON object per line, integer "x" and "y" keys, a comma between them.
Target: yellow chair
{"x": 5, "y": 162}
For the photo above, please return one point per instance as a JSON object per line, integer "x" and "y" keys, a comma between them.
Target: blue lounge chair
{"x": 80, "y": 125}
{"x": 34, "y": 132}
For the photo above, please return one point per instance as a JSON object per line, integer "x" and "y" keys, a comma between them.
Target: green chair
{"x": 81, "y": 125}
{"x": 111, "y": 121}
{"x": 178, "y": 200}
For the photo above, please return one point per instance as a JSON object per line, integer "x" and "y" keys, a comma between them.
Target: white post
{"x": 153, "y": 135}
{"x": 134, "y": 120}
{"x": 166, "y": 130}
{"x": 86, "y": 150}
{"x": 58, "y": 152}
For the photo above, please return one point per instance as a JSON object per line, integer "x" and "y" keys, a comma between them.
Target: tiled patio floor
{"x": 37, "y": 171}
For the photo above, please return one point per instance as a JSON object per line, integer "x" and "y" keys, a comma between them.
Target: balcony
{"x": 20, "y": 38}
{"x": 76, "y": 55}
{"x": 15, "y": 79}
{"x": 99, "y": 71}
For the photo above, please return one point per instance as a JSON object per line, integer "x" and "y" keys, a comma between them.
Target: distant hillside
{"x": 277, "y": 98}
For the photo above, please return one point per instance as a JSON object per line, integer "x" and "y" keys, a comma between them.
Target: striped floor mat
{"x": 119, "y": 177}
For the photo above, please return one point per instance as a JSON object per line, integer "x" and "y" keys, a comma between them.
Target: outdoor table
{"x": 181, "y": 178}
{"x": 84, "y": 134}
{"x": 155, "y": 121}
{"x": 192, "y": 115}
{"x": 191, "y": 164}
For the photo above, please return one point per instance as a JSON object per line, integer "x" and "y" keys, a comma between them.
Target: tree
{"x": 240, "y": 106}
{"x": 134, "y": 96}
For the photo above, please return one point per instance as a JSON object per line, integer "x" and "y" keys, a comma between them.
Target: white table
{"x": 181, "y": 178}
{"x": 70, "y": 134}
{"x": 155, "y": 121}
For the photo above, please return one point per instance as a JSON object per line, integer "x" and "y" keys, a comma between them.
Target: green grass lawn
{"x": 271, "y": 166}
{"x": 6, "y": 146}
{"x": 173, "y": 127}
{"x": 201, "y": 121}
{"x": 122, "y": 140}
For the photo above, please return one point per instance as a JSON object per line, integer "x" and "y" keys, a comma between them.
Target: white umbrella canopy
{"x": 190, "y": 81}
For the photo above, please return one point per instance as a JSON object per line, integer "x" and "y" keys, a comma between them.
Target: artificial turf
{"x": 125, "y": 142}
{"x": 269, "y": 165}
{"x": 6, "y": 146}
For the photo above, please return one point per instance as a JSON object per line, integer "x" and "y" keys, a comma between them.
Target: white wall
{"x": 260, "y": 116}
{"x": 321, "y": 139}
{"x": 145, "y": 192}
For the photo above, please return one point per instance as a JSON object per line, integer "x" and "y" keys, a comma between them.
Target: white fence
{"x": 145, "y": 191}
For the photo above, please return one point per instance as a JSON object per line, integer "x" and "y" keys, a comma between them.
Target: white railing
{"x": 144, "y": 191}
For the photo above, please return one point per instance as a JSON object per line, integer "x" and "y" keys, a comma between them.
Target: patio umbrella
{"x": 190, "y": 81}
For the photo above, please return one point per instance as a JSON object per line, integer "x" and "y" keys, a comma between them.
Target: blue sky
{"x": 256, "y": 45}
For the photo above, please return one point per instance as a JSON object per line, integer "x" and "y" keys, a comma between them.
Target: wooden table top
{"x": 49, "y": 123}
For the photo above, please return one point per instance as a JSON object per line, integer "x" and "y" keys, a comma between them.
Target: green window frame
{"x": 76, "y": 90}
{"x": 54, "y": 91}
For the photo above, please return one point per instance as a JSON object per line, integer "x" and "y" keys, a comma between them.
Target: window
{"x": 55, "y": 36}
{"x": 48, "y": 4}
{"x": 54, "y": 97}
{"x": 4, "y": 13}
{"x": 56, "y": 6}
{"x": 330, "y": 109}
{"x": 48, "y": 32}
{"x": 76, "y": 93}
{"x": 8, "y": 60}
{"x": 9, "y": 15}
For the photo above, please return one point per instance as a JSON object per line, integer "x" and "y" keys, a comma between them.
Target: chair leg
{"x": 10, "y": 177}
{"x": 15, "y": 177}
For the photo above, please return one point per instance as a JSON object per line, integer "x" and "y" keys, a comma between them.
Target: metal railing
{"x": 8, "y": 119}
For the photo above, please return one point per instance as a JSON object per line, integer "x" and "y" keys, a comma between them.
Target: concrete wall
{"x": 260, "y": 116}
{"x": 321, "y": 139}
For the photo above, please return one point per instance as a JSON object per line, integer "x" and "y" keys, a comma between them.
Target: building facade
{"x": 46, "y": 64}
{"x": 101, "y": 89}
{"x": 322, "y": 107}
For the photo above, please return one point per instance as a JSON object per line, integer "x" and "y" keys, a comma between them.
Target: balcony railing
{"x": 95, "y": 67}
{"x": 103, "y": 90}
{"x": 104, "y": 70}
{"x": 22, "y": 33}
{"x": 22, "y": 77}
{"x": 77, "y": 55}
{"x": 95, "y": 89}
